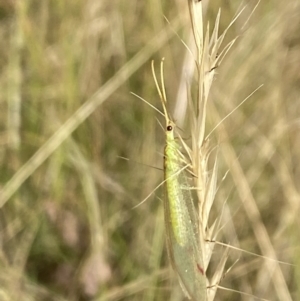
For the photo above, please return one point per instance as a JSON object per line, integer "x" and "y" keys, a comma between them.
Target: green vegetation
{"x": 68, "y": 227}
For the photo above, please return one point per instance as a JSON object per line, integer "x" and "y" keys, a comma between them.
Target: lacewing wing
{"x": 183, "y": 240}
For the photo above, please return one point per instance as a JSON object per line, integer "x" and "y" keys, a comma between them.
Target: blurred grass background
{"x": 68, "y": 230}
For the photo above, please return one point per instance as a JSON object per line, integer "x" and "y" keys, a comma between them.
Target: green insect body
{"x": 182, "y": 227}
{"x": 181, "y": 222}
{"x": 172, "y": 170}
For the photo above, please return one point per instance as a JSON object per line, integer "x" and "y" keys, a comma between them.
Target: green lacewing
{"x": 183, "y": 240}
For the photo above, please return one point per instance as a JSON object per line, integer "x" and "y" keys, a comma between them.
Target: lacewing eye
{"x": 169, "y": 128}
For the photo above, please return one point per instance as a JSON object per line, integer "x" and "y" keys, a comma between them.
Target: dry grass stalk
{"x": 188, "y": 236}
{"x": 208, "y": 57}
